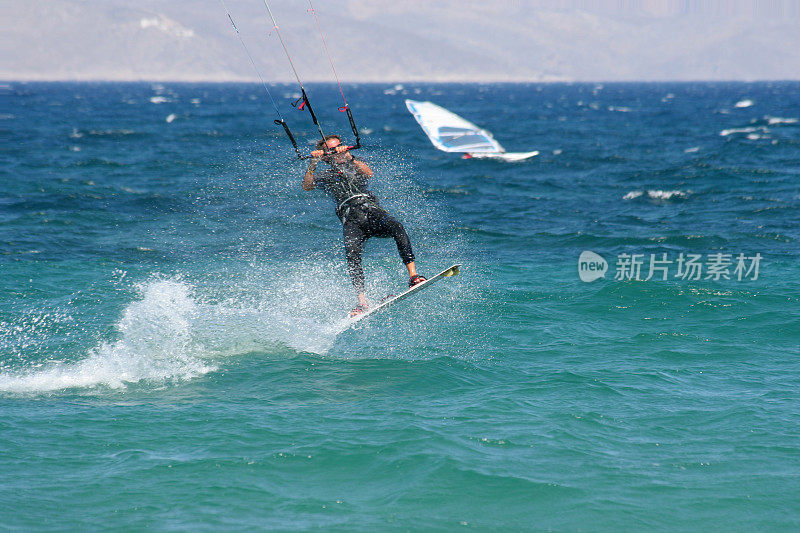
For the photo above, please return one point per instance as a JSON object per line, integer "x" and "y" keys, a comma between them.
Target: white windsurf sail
{"x": 451, "y": 133}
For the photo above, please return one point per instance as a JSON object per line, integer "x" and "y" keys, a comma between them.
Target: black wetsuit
{"x": 361, "y": 215}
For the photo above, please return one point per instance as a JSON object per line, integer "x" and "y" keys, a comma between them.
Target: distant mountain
{"x": 380, "y": 40}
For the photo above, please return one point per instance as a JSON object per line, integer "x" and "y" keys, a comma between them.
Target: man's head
{"x": 330, "y": 142}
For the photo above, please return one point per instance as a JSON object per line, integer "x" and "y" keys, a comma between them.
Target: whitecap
{"x": 171, "y": 117}
{"x": 665, "y": 195}
{"x": 655, "y": 194}
{"x": 744, "y": 103}
{"x": 731, "y": 131}
{"x": 772, "y": 121}
{"x": 158, "y": 100}
{"x": 398, "y": 87}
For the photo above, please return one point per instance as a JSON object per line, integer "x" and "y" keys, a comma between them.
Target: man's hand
{"x": 308, "y": 179}
{"x": 339, "y": 150}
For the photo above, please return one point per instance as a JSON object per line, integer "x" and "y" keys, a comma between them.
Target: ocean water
{"x": 172, "y": 353}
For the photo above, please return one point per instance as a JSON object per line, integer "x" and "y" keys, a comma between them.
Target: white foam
{"x": 692, "y": 150}
{"x": 171, "y": 117}
{"x": 158, "y": 100}
{"x": 665, "y": 195}
{"x": 750, "y": 129}
{"x": 155, "y": 343}
{"x": 174, "y": 331}
{"x": 398, "y": 87}
{"x": 633, "y": 194}
{"x": 744, "y": 103}
{"x": 655, "y": 194}
{"x": 772, "y": 121}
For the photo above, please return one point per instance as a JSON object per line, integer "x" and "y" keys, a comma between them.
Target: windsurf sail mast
{"x": 345, "y": 108}
{"x": 280, "y": 120}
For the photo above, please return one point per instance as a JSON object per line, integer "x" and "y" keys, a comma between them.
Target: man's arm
{"x": 308, "y": 179}
{"x": 363, "y": 168}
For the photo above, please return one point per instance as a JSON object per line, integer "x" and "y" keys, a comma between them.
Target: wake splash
{"x": 155, "y": 343}
{"x": 172, "y": 334}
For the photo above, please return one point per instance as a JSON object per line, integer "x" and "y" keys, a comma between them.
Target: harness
{"x": 339, "y": 207}
{"x": 355, "y": 201}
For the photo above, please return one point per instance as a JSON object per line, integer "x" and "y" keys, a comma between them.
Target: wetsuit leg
{"x": 354, "y": 239}
{"x": 381, "y": 224}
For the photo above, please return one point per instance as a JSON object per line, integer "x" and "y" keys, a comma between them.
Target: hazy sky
{"x": 380, "y": 40}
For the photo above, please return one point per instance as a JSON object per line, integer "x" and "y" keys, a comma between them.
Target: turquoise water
{"x": 171, "y": 306}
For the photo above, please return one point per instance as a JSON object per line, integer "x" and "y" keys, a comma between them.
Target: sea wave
{"x": 773, "y": 121}
{"x": 749, "y": 129}
{"x": 655, "y": 194}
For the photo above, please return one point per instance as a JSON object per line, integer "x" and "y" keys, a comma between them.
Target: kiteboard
{"x": 391, "y": 300}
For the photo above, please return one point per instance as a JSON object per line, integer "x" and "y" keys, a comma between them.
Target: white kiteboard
{"x": 389, "y": 301}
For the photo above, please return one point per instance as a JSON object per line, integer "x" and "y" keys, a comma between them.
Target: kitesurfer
{"x": 345, "y": 180}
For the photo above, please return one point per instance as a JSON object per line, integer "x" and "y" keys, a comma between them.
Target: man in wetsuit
{"x": 358, "y": 209}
